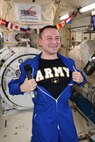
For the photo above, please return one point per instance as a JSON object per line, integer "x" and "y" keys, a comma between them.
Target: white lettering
{"x": 66, "y": 70}
{"x": 48, "y": 73}
{"x": 39, "y": 76}
{"x": 58, "y": 71}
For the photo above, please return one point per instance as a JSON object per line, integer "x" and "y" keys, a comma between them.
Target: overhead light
{"x": 87, "y": 8}
{"x": 64, "y": 17}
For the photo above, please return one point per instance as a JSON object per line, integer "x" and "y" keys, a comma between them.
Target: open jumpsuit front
{"x": 52, "y": 118}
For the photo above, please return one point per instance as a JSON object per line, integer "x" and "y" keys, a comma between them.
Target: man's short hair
{"x": 46, "y": 27}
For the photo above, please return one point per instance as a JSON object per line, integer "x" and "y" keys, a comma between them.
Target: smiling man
{"x": 53, "y": 78}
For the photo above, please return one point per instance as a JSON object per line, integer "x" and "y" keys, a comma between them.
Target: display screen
{"x": 93, "y": 21}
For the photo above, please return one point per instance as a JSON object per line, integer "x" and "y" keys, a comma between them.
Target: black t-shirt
{"x": 53, "y": 75}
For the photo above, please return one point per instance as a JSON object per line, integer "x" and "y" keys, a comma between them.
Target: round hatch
{"x": 7, "y": 72}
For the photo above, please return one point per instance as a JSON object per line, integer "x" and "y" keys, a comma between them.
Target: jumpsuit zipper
{"x": 56, "y": 101}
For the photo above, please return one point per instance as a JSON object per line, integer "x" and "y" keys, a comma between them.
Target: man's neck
{"x": 49, "y": 57}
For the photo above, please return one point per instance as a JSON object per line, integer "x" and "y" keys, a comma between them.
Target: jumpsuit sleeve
{"x": 14, "y": 84}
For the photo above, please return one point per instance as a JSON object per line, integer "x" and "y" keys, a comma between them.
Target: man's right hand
{"x": 28, "y": 85}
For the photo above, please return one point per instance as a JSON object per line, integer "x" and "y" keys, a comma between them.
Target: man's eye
{"x": 49, "y": 38}
{"x": 57, "y": 38}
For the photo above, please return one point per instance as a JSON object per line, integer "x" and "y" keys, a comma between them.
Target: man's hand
{"x": 28, "y": 85}
{"x": 77, "y": 77}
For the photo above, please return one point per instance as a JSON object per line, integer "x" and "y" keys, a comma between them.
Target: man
{"x": 53, "y": 78}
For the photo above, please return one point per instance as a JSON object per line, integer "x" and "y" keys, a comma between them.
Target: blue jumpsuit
{"x": 52, "y": 118}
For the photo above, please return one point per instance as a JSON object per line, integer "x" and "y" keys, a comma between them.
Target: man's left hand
{"x": 77, "y": 77}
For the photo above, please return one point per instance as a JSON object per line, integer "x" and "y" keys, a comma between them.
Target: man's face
{"x": 50, "y": 41}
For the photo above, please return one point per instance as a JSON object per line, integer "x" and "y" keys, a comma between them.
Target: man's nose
{"x": 54, "y": 40}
